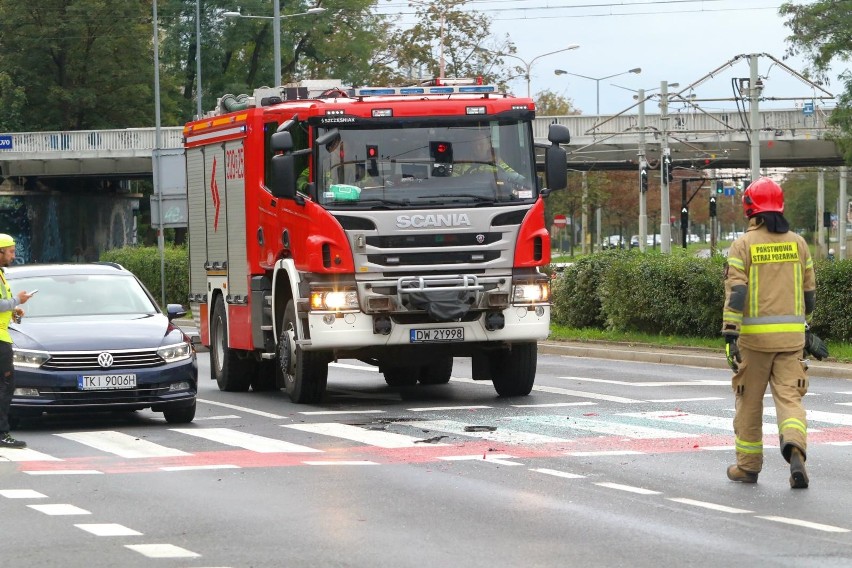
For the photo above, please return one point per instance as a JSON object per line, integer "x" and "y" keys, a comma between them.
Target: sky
{"x": 678, "y": 41}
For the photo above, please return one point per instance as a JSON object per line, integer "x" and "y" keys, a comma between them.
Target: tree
{"x": 83, "y": 64}
{"x": 549, "y": 103}
{"x": 820, "y": 31}
{"x": 464, "y": 43}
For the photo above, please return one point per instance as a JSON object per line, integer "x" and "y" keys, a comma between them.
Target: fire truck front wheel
{"x": 232, "y": 373}
{"x": 513, "y": 369}
{"x": 305, "y": 372}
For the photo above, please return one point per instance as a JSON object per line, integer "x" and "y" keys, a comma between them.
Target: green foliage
{"x": 550, "y": 103}
{"x": 833, "y": 313}
{"x": 665, "y": 294}
{"x": 13, "y": 98}
{"x": 576, "y": 291}
{"x": 85, "y": 64}
{"x": 144, "y": 262}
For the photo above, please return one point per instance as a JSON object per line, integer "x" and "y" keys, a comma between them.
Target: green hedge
{"x": 144, "y": 262}
{"x": 677, "y": 294}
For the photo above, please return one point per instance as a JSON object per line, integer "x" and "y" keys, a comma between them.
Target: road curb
{"x": 674, "y": 356}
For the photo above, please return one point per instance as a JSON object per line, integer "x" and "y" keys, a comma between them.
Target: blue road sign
{"x": 808, "y": 108}
{"x": 5, "y": 142}
{"x": 730, "y": 191}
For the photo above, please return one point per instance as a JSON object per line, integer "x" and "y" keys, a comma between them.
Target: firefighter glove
{"x": 732, "y": 352}
{"x": 815, "y": 346}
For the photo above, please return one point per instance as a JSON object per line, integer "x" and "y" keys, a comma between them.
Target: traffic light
{"x": 643, "y": 179}
{"x": 720, "y": 187}
{"x": 746, "y": 183}
{"x": 667, "y": 169}
{"x": 712, "y": 206}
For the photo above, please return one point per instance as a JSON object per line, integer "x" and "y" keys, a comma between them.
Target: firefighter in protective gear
{"x": 769, "y": 298}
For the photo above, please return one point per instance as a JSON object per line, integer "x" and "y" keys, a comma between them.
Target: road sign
{"x": 808, "y": 108}
{"x": 5, "y": 143}
{"x": 730, "y": 191}
{"x": 560, "y": 220}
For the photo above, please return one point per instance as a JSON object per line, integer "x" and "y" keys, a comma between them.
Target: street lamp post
{"x": 597, "y": 81}
{"x": 276, "y": 30}
{"x": 528, "y": 64}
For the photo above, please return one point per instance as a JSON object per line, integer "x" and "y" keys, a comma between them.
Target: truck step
{"x": 267, "y": 356}
{"x": 266, "y": 327}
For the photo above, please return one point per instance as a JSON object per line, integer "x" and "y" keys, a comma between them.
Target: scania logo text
{"x": 432, "y": 220}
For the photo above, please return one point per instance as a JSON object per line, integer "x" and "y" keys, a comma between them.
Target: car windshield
{"x": 83, "y": 295}
{"x": 478, "y": 164}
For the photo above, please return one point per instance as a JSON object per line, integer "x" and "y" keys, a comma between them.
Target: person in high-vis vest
{"x": 483, "y": 159}
{"x": 769, "y": 298}
{"x": 9, "y": 308}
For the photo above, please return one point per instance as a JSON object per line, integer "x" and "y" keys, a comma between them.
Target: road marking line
{"x": 698, "y": 383}
{"x": 846, "y": 443}
{"x": 162, "y": 551}
{"x": 628, "y": 488}
{"x": 59, "y": 509}
{"x": 555, "y": 404}
{"x": 605, "y": 453}
{"x": 325, "y": 412}
{"x": 706, "y": 505}
{"x": 108, "y": 529}
{"x": 844, "y": 403}
{"x": 222, "y": 417}
{"x": 820, "y": 416}
{"x": 65, "y": 472}
{"x": 195, "y": 467}
{"x": 21, "y": 494}
{"x": 25, "y": 454}
{"x": 356, "y": 434}
{"x": 342, "y": 462}
{"x": 121, "y": 444}
{"x": 697, "y": 399}
{"x": 251, "y": 442}
{"x": 717, "y": 448}
{"x": 355, "y": 367}
{"x": 806, "y": 524}
{"x": 442, "y": 408}
{"x": 503, "y": 435}
{"x": 584, "y": 394}
{"x": 243, "y": 409}
{"x": 611, "y": 428}
{"x": 501, "y": 459}
{"x": 557, "y": 473}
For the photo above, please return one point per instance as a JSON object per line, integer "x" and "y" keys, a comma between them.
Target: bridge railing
{"x": 122, "y": 142}
{"x": 689, "y": 124}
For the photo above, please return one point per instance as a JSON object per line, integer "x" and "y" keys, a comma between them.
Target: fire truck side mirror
{"x": 558, "y": 134}
{"x": 282, "y": 142}
{"x": 556, "y": 166}
{"x": 283, "y": 176}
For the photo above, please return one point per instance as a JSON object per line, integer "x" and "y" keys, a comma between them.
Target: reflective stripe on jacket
{"x": 766, "y": 277}
{"x": 5, "y": 317}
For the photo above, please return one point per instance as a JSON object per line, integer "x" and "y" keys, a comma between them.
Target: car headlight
{"x": 334, "y": 300}
{"x": 531, "y": 293}
{"x": 177, "y": 352}
{"x": 31, "y": 359}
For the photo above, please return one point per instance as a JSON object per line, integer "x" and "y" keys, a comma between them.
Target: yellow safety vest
{"x": 5, "y": 317}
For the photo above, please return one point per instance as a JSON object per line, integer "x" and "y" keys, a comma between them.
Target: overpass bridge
{"x": 788, "y": 138}
{"x": 70, "y": 195}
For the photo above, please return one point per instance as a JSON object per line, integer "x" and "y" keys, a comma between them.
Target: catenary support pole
{"x": 842, "y": 212}
{"x": 643, "y": 163}
{"x": 665, "y": 212}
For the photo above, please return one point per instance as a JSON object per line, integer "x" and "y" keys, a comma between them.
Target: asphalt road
{"x": 606, "y": 463}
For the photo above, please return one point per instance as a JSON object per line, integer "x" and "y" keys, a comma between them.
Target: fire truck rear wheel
{"x": 232, "y": 373}
{"x": 305, "y": 372}
{"x": 437, "y": 372}
{"x": 401, "y": 376}
{"x": 513, "y": 370}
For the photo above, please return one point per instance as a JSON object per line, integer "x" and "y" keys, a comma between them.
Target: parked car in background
{"x": 93, "y": 338}
{"x": 613, "y": 241}
{"x": 634, "y": 241}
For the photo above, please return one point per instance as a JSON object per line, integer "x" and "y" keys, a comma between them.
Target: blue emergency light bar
{"x": 430, "y": 90}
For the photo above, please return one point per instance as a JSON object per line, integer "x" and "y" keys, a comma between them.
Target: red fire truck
{"x": 398, "y": 226}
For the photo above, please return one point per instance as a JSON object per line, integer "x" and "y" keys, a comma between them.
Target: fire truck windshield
{"x": 415, "y": 166}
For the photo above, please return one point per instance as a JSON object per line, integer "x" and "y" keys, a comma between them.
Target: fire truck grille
{"x": 89, "y": 361}
{"x": 439, "y": 240}
{"x": 433, "y": 258}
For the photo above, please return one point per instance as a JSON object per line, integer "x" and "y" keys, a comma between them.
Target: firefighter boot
{"x": 737, "y": 474}
{"x": 798, "y": 473}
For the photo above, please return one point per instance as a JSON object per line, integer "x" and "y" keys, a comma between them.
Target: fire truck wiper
{"x": 475, "y": 197}
{"x": 375, "y": 201}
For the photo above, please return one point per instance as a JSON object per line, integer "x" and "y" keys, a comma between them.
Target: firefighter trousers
{"x": 785, "y": 374}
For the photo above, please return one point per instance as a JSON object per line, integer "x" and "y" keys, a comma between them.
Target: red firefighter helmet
{"x": 761, "y": 196}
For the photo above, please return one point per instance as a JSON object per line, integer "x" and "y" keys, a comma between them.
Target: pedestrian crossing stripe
{"x": 407, "y": 441}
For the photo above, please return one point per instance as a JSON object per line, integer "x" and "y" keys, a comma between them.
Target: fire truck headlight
{"x": 331, "y": 300}
{"x": 531, "y": 293}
